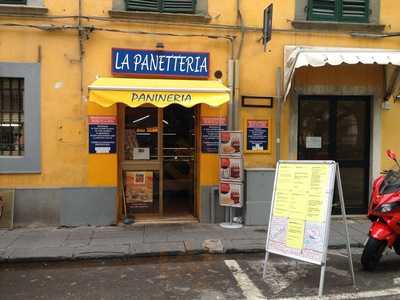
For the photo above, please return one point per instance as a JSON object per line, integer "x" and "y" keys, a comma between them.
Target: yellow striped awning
{"x": 159, "y": 92}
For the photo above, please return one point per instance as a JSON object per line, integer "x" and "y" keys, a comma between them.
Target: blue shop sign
{"x": 149, "y": 63}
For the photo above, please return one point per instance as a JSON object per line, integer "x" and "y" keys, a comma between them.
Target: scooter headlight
{"x": 385, "y": 208}
{"x": 388, "y": 207}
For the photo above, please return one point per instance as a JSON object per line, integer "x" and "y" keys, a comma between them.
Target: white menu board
{"x": 301, "y": 210}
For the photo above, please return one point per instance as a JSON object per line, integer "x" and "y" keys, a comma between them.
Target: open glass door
{"x": 178, "y": 160}
{"x": 141, "y": 166}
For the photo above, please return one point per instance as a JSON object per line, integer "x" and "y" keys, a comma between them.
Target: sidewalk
{"x": 126, "y": 241}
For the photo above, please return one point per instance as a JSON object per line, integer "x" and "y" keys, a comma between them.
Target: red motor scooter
{"x": 384, "y": 212}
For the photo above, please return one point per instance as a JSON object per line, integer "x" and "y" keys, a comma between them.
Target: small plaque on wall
{"x": 252, "y": 101}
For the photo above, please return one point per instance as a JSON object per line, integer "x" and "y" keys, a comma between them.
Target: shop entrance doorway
{"x": 159, "y": 161}
{"x": 338, "y": 128}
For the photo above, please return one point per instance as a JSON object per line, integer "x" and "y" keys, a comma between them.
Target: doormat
{"x": 6, "y": 209}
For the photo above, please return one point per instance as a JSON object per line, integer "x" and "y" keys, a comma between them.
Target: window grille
{"x": 11, "y": 116}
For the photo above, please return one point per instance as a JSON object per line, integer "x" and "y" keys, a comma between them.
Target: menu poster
{"x": 300, "y": 210}
{"x": 230, "y": 194}
{"x": 138, "y": 189}
{"x": 257, "y": 135}
{"x": 102, "y": 134}
{"x": 210, "y": 129}
{"x": 231, "y": 143}
{"x": 231, "y": 168}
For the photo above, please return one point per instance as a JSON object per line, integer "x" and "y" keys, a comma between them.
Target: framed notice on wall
{"x": 257, "y": 135}
{"x": 210, "y": 130}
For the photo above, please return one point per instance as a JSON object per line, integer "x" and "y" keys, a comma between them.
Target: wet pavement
{"x": 198, "y": 277}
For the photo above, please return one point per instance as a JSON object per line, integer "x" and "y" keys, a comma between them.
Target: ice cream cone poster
{"x": 139, "y": 189}
{"x": 231, "y": 143}
{"x": 231, "y": 168}
{"x": 230, "y": 194}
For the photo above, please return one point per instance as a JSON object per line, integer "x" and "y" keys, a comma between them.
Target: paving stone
{"x": 117, "y": 240}
{"x": 194, "y": 246}
{"x": 164, "y": 248}
{"x": 102, "y": 251}
{"x": 134, "y": 235}
{"x": 183, "y": 236}
{"x": 76, "y": 243}
{"x": 213, "y": 246}
{"x": 241, "y": 246}
{"x": 40, "y": 254}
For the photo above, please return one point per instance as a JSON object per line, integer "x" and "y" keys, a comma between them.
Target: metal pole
{"x": 278, "y": 113}
{"x": 265, "y": 264}
{"x": 322, "y": 280}
{"x": 340, "y": 189}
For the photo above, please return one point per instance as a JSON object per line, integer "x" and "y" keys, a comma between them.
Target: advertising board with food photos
{"x": 231, "y": 194}
{"x": 231, "y": 169}
{"x": 231, "y": 143}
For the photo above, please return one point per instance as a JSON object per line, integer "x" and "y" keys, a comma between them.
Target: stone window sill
{"x": 22, "y": 10}
{"x": 155, "y": 16}
{"x": 337, "y": 26}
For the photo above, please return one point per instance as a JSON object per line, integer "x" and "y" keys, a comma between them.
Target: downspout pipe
{"x": 278, "y": 113}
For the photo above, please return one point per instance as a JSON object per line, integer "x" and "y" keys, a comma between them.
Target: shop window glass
{"x": 141, "y": 133}
{"x": 11, "y": 116}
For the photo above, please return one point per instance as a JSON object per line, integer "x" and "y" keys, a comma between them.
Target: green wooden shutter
{"x": 323, "y": 10}
{"x": 338, "y": 10}
{"x": 143, "y": 5}
{"x": 179, "y": 6}
{"x": 355, "y": 10}
{"x": 21, "y": 2}
{"x": 171, "y": 6}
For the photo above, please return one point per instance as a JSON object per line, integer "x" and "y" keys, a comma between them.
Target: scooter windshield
{"x": 391, "y": 183}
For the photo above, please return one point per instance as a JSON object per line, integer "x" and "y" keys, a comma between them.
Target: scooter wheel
{"x": 372, "y": 253}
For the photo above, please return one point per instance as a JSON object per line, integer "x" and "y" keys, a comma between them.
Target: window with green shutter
{"x": 21, "y": 2}
{"x": 167, "y": 6}
{"x": 339, "y": 10}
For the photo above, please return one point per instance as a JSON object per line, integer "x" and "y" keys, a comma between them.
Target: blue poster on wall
{"x": 150, "y": 63}
{"x": 102, "y": 134}
{"x": 257, "y": 135}
{"x": 210, "y": 129}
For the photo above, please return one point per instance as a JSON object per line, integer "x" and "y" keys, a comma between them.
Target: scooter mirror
{"x": 391, "y": 154}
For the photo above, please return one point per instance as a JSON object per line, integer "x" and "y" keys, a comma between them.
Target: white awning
{"x": 297, "y": 57}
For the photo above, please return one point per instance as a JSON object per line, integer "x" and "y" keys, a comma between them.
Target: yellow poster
{"x": 295, "y": 234}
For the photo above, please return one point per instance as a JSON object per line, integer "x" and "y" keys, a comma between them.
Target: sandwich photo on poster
{"x": 230, "y": 194}
{"x": 231, "y": 168}
{"x": 138, "y": 189}
{"x": 231, "y": 143}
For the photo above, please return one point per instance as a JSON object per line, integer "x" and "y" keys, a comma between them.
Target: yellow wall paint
{"x": 65, "y": 158}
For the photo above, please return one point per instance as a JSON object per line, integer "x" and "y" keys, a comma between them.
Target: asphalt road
{"x": 198, "y": 277}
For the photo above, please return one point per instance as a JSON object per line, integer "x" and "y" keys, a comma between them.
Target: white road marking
{"x": 396, "y": 281}
{"x": 250, "y": 291}
{"x": 345, "y": 296}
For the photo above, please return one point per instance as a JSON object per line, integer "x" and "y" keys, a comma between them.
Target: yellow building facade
{"x": 52, "y": 51}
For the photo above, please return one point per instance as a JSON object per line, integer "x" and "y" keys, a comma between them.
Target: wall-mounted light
{"x": 160, "y": 45}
